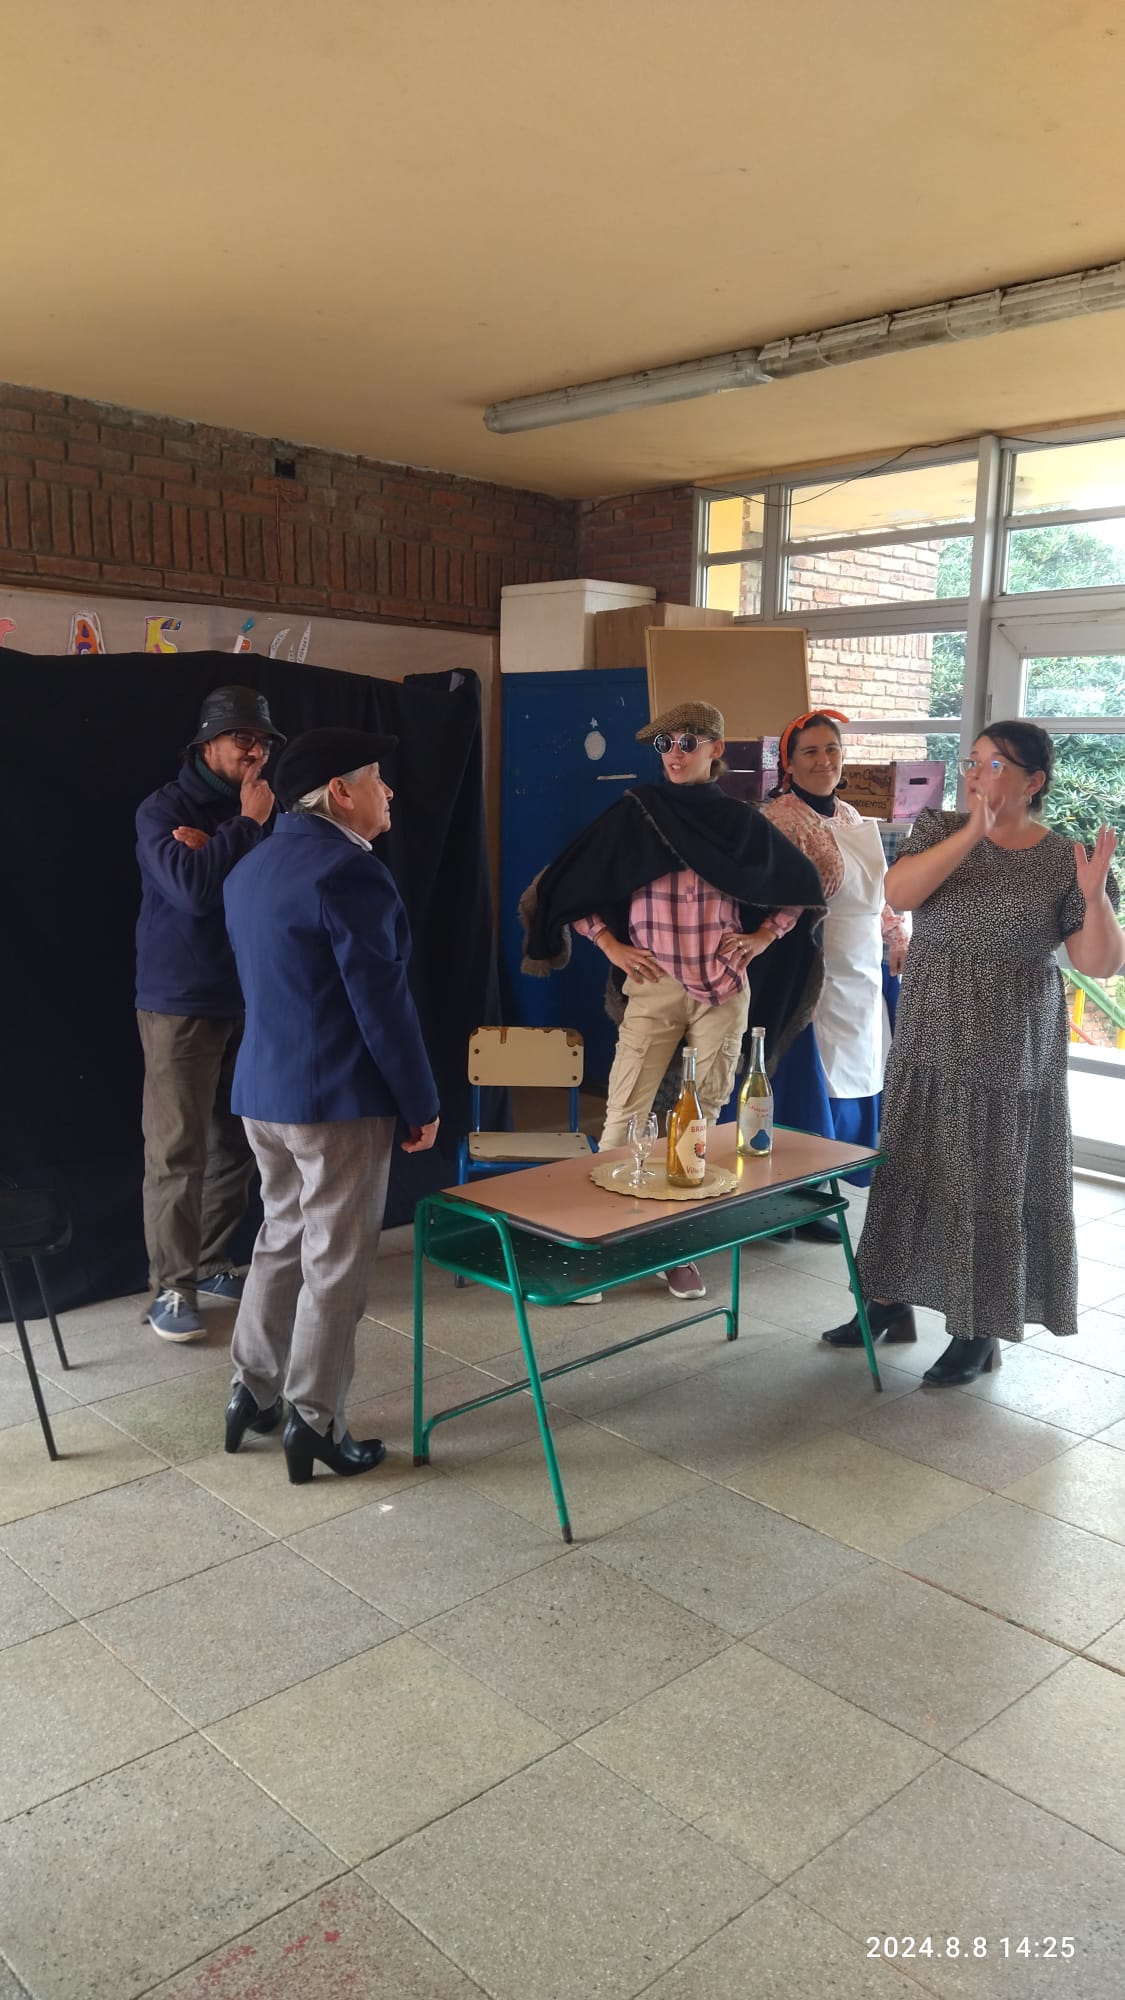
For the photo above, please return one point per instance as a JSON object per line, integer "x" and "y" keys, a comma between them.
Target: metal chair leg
{"x": 60, "y": 1350}
{"x": 28, "y": 1358}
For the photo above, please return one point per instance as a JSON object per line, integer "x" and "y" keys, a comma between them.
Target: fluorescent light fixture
{"x": 1006, "y": 309}
{"x": 677, "y": 384}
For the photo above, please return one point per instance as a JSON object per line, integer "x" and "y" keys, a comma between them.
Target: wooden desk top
{"x": 561, "y": 1201}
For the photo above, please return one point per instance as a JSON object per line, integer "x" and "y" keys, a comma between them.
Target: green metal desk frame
{"x": 533, "y": 1269}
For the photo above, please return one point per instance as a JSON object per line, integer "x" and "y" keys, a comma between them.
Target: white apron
{"x": 849, "y": 1017}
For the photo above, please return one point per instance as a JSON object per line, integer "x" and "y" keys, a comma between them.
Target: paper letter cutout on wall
{"x": 242, "y": 643}
{"x": 158, "y": 635}
{"x": 303, "y": 648}
{"x": 278, "y": 641}
{"x": 86, "y": 633}
{"x": 6, "y": 625}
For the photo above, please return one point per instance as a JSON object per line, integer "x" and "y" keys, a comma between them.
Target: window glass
{"x": 1078, "y": 684}
{"x": 1077, "y": 555}
{"x": 735, "y": 587}
{"x": 1088, "y": 787}
{"x": 923, "y": 496}
{"x": 896, "y": 573}
{"x": 1069, "y": 476}
{"x": 889, "y": 673}
{"x": 735, "y": 524}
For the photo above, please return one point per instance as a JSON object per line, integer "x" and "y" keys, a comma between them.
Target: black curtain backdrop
{"x": 82, "y": 742}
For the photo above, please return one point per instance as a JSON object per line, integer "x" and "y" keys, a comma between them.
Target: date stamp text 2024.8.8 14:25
{"x": 907, "y": 1947}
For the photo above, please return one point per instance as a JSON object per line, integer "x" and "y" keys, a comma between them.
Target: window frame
{"x": 979, "y": 615}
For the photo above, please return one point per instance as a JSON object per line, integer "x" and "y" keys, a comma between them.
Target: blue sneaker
{"x": 173, "y": 1318}
{"x": 221, "y": 1285}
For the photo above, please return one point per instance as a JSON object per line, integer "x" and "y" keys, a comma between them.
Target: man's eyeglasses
{"x": 246, "y": 739}
{"x": 969, "y": 766}
{"x": 687, "y": 743}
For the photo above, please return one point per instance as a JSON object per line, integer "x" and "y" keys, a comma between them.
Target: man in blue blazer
{"x": 331, "y": 1055}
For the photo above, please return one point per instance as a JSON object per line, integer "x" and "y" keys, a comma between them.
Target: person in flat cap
{"x": 331, "y": 1057}
{"x": 198, "y": 1166}
{"x": 684, "y": 890}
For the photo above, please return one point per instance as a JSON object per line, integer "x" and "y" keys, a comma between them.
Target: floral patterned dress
{"x": 972, "y": 1214}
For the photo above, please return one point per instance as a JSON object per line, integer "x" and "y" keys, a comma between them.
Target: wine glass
{"x": 642, "y": 1135}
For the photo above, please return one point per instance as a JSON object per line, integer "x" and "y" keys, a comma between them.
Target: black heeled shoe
{"x": 243, "y": 1415}
{"x": 895, "y": 1320}
{"x": 345, "y": 1455}
{"x": 963, "y": 1361}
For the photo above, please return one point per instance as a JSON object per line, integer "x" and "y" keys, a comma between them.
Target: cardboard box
{"x": 758, "y": 677}
{"x": 898, "y": 791}
{"x": 548, "y": 628}
{"x": 619, "y": 636}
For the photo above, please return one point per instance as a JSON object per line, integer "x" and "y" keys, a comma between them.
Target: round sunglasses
{"x": 687, "y": 742}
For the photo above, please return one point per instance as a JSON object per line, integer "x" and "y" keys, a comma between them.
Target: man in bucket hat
{"x": 198, "y": 1165}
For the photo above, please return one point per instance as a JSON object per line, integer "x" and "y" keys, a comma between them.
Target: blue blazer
{"x": 321, "y": 941}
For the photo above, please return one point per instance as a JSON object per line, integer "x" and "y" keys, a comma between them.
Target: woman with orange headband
{"x": 830, "y": 1080}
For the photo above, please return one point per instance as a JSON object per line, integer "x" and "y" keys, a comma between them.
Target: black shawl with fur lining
{"x": 655, "y": 829}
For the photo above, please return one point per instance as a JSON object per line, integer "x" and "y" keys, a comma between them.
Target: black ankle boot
{"x": 963, "y": 1361}
{"x": 896, "y": 1321}
{"x": 244, "y": 1415}
{"x": 345, "y": 1455}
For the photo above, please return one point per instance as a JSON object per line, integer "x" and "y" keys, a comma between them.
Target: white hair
{"x": 320, "y": 801}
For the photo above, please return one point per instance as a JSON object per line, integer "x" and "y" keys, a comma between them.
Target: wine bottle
{"x": 755, "y": 1103}
{"x": 687, "y": 1132}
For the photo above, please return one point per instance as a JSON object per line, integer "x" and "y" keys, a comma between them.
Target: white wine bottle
{"x": 687, "y": 1132}
{"x": 755, "y": 1103}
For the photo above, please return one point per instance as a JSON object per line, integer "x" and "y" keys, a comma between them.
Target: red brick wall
{"x": 153, "y": 506}
{"x": 888, "y": 674}
{"x": 640, "y": 538}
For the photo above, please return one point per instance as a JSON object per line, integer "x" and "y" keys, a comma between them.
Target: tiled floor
{"x": 821, "y": 1668}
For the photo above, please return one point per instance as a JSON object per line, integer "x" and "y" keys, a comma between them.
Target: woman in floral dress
{"x": 972, "y": 1214}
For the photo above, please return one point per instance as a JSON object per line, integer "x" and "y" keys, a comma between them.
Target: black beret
{"x": 320, "y": 754}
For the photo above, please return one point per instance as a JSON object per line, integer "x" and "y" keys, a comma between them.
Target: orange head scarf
{"x": 795, "y": 727}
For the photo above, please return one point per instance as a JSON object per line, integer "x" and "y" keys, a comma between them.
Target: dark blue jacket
{"x": 322, "y": 942}
{"x": 184, "y": 961}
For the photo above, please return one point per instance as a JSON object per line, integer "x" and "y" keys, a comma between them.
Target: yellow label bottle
{"x": 755, "y": 1103}
{"x": 687, "y": 1132}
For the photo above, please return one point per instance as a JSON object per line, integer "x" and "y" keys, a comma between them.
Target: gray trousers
{"x": 324, "y": 1188}
{"x": 198, "y": 1165}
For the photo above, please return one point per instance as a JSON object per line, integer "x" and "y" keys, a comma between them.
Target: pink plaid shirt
{"x": 680, "y": 919}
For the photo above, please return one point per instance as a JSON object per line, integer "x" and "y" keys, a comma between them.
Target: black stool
{"x": 33, "y": 1223}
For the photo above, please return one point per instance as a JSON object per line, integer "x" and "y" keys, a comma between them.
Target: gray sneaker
{"x": 173, "y": 1318}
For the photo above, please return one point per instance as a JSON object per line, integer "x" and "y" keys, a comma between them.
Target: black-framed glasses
{"x": 687, "y": 742}
{"x": 247, "y": 740}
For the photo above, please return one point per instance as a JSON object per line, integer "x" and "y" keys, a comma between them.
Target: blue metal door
{"x": 568, "y": 753}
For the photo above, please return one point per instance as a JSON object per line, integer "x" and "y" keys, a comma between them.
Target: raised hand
{"x": 256, "y": 801}
{"x": 982, "y": 817}
{"x": 1091, "y": 869}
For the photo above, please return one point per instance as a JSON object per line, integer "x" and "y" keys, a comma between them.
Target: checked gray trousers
{"x": 324, "y": 1188}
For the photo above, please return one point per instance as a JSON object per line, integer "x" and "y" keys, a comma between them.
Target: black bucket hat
{"x": 229, "y": 708}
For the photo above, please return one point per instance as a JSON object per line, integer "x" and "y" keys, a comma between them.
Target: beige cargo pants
{"x": 658, "y": 1016}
